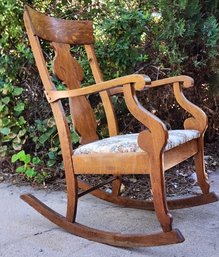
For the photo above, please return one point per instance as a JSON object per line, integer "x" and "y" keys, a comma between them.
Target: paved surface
{"x": 25, "y": 233}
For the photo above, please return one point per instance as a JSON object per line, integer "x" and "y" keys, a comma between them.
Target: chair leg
{"x": 72, "y": 199}
{"x": 116, "y": 185}
{"x": 159, "y": 196}
{"x": 200, "y": 168}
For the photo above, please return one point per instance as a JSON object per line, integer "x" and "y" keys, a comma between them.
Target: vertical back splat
{"x": 68, "y": 70}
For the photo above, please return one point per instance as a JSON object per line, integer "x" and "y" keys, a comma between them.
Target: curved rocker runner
{"x": 152, "y": 151}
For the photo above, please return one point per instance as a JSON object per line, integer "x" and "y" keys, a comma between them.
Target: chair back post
{"x": 105, "y": 95}
{"x": 57, "y": 108}
{"x": 58, "y": 112}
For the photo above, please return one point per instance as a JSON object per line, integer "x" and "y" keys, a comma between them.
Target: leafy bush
{"x": 189, "y": 35}
{"x": 120, "y": 39}
{"x": 14, "y": 54}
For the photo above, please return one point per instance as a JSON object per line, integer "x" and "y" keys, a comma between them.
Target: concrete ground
{"x": 25, "y": 233}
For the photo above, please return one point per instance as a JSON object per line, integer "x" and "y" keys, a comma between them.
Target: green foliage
{"x": 12, "y": 122}
{"x": 188, "y": 34}
{"x": 13, "y": 54}
{"x": 120, "y": 39}
{"x": 44, "y": 135}
{"x": 28, "y": 166}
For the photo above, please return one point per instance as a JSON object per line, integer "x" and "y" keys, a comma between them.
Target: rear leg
{"x": 116, "y": 186}
{"x": 72, "y": 199}
{"x": 200, "y": 168}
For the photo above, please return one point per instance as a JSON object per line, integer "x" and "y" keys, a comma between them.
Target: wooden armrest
{"x": 155, "y": 138}
{"x": 186, "y": 81}
{"x": 198, "y": 120}
{"x": 137, "y": 80}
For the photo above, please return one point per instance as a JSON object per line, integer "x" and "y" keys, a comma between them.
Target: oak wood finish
{"x": 137, "y": 81}
{"x": 59, "y": 30}
{"x": 130, "y": 163}
{"x": 153, "y": 160}
{"x": 123, "y": 163}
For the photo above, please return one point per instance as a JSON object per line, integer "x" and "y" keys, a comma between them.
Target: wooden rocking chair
{"x": 152, "y": 151}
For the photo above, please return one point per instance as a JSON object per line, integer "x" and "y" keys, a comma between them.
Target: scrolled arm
{"x": 155, "y": 138}
{"x": 186, "y": 81}
{"x": 137, "y": 81}
{"x": 198, "y": 121}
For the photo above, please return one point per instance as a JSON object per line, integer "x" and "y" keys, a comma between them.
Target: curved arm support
{"x": 198, "y": 120}
{"x": 138, "y": 81}
{"x": 185, "y": 80}
{"x": 154, "y": 139}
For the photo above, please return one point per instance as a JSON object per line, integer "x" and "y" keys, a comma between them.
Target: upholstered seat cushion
{"x": 128, "y": 143}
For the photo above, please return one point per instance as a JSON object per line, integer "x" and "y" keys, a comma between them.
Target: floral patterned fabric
{"x": 128, "y": 143}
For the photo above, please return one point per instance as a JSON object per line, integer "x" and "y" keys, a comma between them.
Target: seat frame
{"x": 153, "y": 161}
